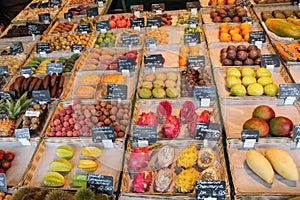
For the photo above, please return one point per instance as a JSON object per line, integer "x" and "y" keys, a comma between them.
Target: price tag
{"x": 130, "y": 40}
{"x": 250, "y": 137}
{"x": 270, "y": 59}
{"x": 29, "y": 113}
{"x": 16, "y": 48}
{"x": 247, "y": 19}
{"x": 193, "y": 22}
{"x": 3, "y": 70}
{"x": 43, "y": 48}
{"x": 257, "y": 36}
{"x": 192, "y": 5}
{"x": 204, "y": 102}
{"x": 100, "y": 133}
{"x": 158, "y": 8}
{"x": 191, "y": 39}
{"x": 100, "y": 4}
{"x": 34, "y": 29}
{"x": 41, "y": 96}
{"x": 195, "y": 61}
{"x": 150, "y": 43}
{"x": 290, "y": 100}
{"x": 137, "y": 22}
{"x": 115, "y": 91}
{"x": 145, "y": 133}
{"x": 154, "y": 60}
{"x": 126, "y": 64}
{"x": 3, "y": 186}
{"x": 76, "y": 48}
{"x": 296, "y": 133}
{"x": 92, "y": 12}
{"x": 54, "y": 3}
{"x": 205, "y": 92}
{"x": 54, "y": 68}
{"x": 289, "y": 90}
{"x": 102, "y": 25}
{"x": 210, "y": 189}
{"x": 84, "y": 28}
{"x": 68, "y": 16}
{"x": 7, "y": 95}
{"x": 100, "y": 183}
{"x": 154, "y": 22}
{"x": 44, "y": 18}
{"x": 23, "y": 135}
{"x": 208, "y": 131}
{"x": 26, "y": 71}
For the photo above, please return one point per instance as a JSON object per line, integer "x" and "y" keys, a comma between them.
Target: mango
{"x": 281, "y": 126}
{"x": 257, "y": 124}
{"x": 61, "y": 165}
{"x": 65, "y": 151}
{"x": 263, "y": 112}
{"x": 53, "y": 179}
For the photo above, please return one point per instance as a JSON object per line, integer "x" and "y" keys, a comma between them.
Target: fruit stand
{"x": 201, "y": 103}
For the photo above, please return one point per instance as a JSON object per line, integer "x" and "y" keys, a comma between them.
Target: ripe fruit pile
{"x": 221, "y": 2}
{"x": 228, "y": 14}
{"x": 185, "y": 51}
{"x": 118, "y": 22}
{"x": 250, "y": 82}
{"x": 264, "y": 120}
{"x": 235, "y": 33}
{"x": 6, "y": 159}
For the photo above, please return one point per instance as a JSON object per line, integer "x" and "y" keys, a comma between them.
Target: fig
{"x": 227, "y": 62}
{"x": 164, "y": 109}
{"x": 242, "y": 55}
{"x": 241, "y": 48}
{"x": 248, "y": 61}
{"x": 238, "y": 63}
{"x": 231, "y": 54}
{"x": 187, "y": 111}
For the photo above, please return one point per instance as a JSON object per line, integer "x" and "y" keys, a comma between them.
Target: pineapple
{"x": 186, "y": 179}
{"x": 188, "y": 157}
{"x": 7, "y": 127}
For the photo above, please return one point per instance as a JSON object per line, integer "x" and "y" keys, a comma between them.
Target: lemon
{"x": 255, "y": 89}
{"x": 232, "y": 71}
{"x": 232, "y": 80}
{"x": 247, "y": 80}
{"x": 265, "y": 80}
{"x": 271, "y": 89}
{"x": 261, "y": 72}
{"x": 238, "y": 90}
{"x": 247, "y": 71}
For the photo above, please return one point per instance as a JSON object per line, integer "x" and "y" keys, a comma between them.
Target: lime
{"x": 232, "y": 71}
{"x": 265, "y": 80}
{"x": 247, "y": 80}
{"x": 232, "y": 80}
{"x": 255, "y": 89}
{"x": 247, "y": 71}
{"x": 263, "y": 72}
{"x": 238, "y": 90}
{"x": 271, "y": 89}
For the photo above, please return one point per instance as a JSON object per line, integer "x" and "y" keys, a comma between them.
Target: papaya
{"x": 283, "y": 28}
{"x": 285, "y": 52}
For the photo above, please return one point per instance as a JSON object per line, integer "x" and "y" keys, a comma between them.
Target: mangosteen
{"x": 227, "y": 19}
{"x": 238, "y": 63}
{"x": 231, "y": 54}
{"x": 227, "y": 62}
{"x": 223, "y": 13}
{"x": 241, "y": 47}
{"x": 223, "y": 56}
{"x": 257, "y": 61}
{"x": 253, "y": 54}
{"x": 217, "y": 19}
{"x": 236, "y": 19}
{"x": 252, "y": 47}
{"x": 223, "y": 50}
{"x": 248, "y": 61}
{"x": 242, "y": 55}
{"x": 231, "y": 47}
{"x": 231, "y": 13}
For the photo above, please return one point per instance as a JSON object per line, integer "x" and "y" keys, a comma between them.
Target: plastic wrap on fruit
{"x": 172, "y": 92}
{"x": 159, "y": 93}
{"x": 145, "y": 93}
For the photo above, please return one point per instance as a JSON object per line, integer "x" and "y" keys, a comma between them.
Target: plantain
{"x": 59, "y": 92}
{"x": 53, "y": 91}
{"x": 61, "y": 80}
{"x": 32, "y": 84}
{"x": 27, "y": 83}
{"x": 12, "y": 86}
{"x": 38, "y": 84}
{"x": 53, "y": 79}
{"x": 18, "y": 84}
{"x": 46, "y": 81}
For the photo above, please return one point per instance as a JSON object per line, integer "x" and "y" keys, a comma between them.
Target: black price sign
{"x": 270, "y": 59}
{"x": 100, "y": 183}
{"x": 26, "y": 71}
{"x": 3, "y": 186}
{"x": 154, "y": 60}
{"x": 250, "y": 134}
{"x": 192, "y": 4}
{"x": 192, "y": 38}
{"x": 7, "y": 95}
{"x": 257, "y": 36}
{"x": 115, "y": 91}
{"x": 41, "y": 96}
{"x": 84, "y": 28}
{"x": 126, "y": 64}
{"x": 139, "y": 8}
{"x": 210, "y": 189}
{"x": 16, "y": 48}
{"x": 54, "y": 68}
{"x": 150, "y": 42}
{"x": 158, "y": 7}
{"x": 137, "y": 22}
{"x": 148, "y": 133}
{"x": 3, "y": 70}
{"x": 76, "y": 48}
{"x": 130, "y": 40}
{"x": 195, "y": 61}
{"x": 205, "y": 92}
{"x": 208, "y": 131}
{"x": 193, "y": 21}
{"x": 54, "y": 3}
{"x": 68, "y": 15}
{"x": 101, "y": 25}
{"x": 247, "y": 19}
{"x": 22, "y": 133}
{"x": 34, "y": 29}
{"x": 296, "y": 132}
{"x": 289, "y": 90}
{"x": 44, "y": 18}
{"x": 154, "y": 21}
{"x": 43, "y": 48}
{"x": 100, "y": 133}
{"x": 90, "y": 12}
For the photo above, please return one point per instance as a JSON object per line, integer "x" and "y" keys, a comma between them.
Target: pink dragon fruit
{"x": 204, "y": 116}
{"x": 142, "y": 180}
{"x": 164, "y": 109}
{"x": 147, "y": 119}
{"x": 171, "y": 126}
